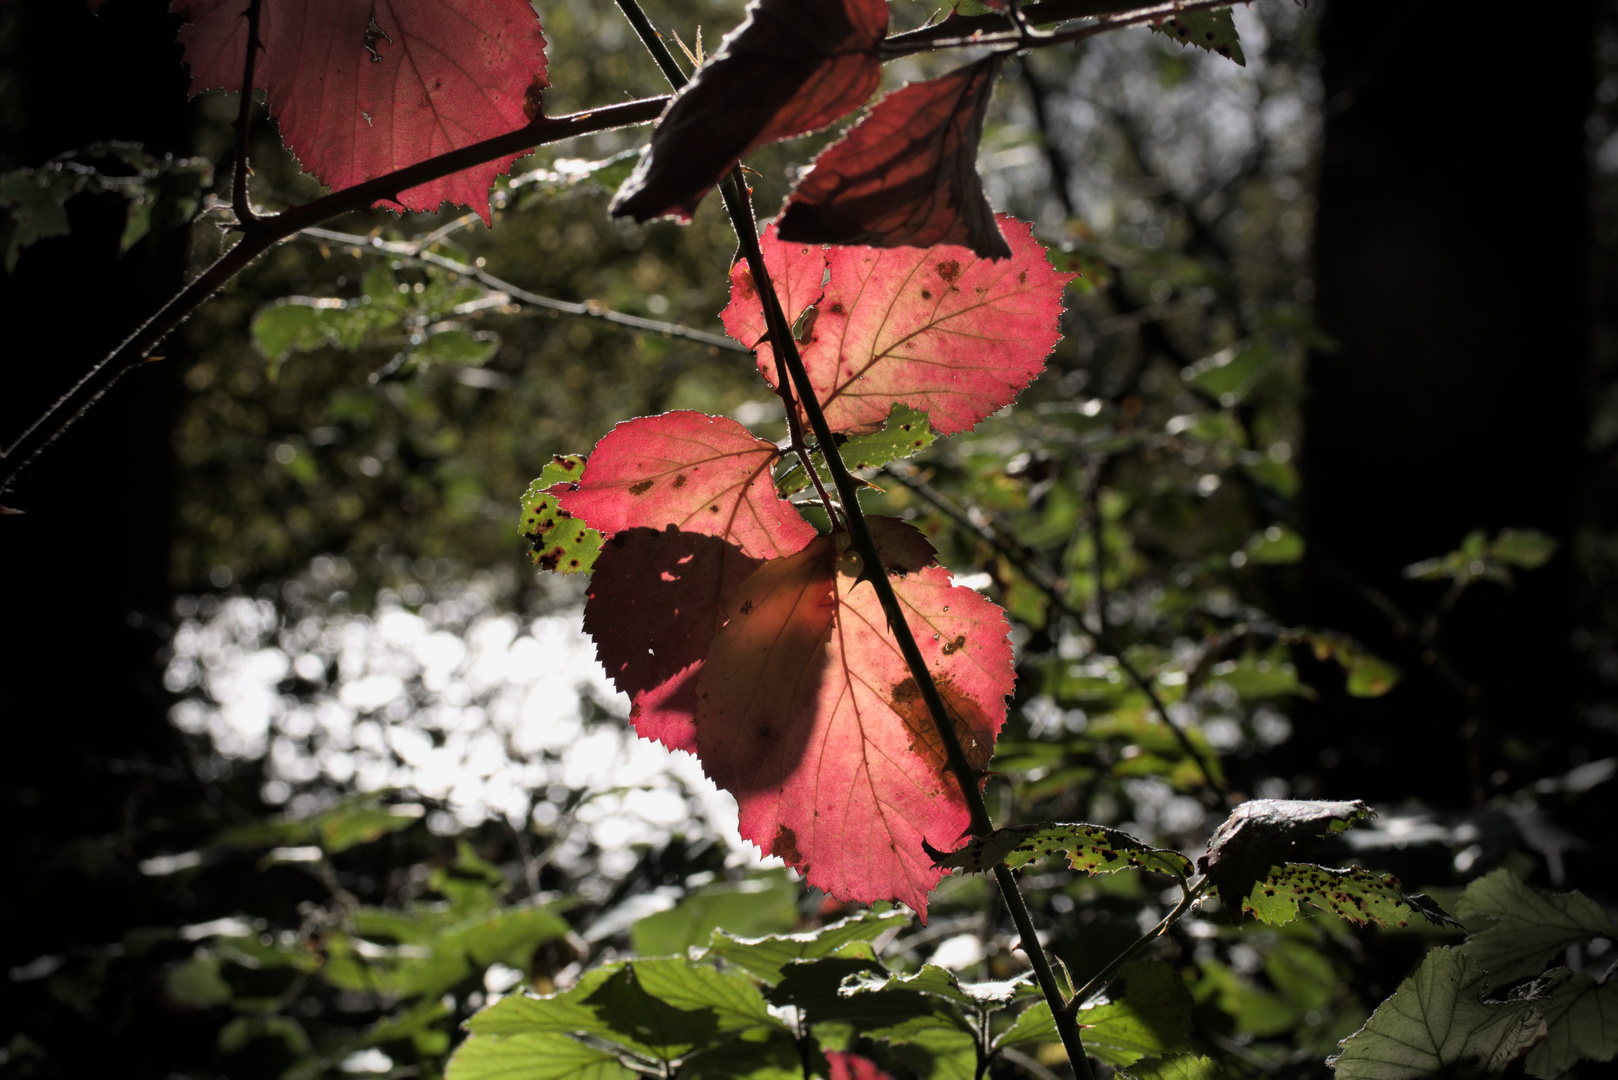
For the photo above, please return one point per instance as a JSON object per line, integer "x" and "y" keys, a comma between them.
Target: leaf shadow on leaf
{"x": 656, "y": 600}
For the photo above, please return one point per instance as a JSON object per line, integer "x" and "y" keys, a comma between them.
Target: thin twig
{"x": 961, "y": 35}
{"x": 412, "y": 252}
{"x": 263, "y": 233}
{"x": 238, "y": 195}
{"x": 1188, "y": 896}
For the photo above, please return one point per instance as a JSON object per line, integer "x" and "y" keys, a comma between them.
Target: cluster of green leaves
{"x": 162, "y": 193}
{"x": 1450, "y": 1017}
{"x": 400, "y": 963}
{"x": 770, "y": 1007}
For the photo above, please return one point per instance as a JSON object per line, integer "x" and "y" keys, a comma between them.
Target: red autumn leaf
{"x": 793, "y": 66}
{"x": 690, "y": 511}
{"x": 363, "y": 87}
{"x": 853, "y": 1067}
{"x": 935, "y": 328}
{"x": 796, "y": 271}
{"x": 810, "y": 717}
{"x": 906, "y": 175}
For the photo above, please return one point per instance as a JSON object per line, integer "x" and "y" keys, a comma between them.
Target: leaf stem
{"x": 786, "y": 352}
{"x": 263, "y": 233}
{"x": 1189, "y": 895}
{"x": 238, "y": 195}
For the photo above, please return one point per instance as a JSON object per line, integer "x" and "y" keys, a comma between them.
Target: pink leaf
{"x": 810, "y": 717}
{"x": 907, "y": 173}
{"x": 853, "y": 1067}
{"x": 694, "y": 472}
{"x": 357, "y": 98}
{"x": 792, "y": 67}
{"x": 690, "y": 509}
{"x": 937, "y": 329}
{"x": 796, "y": 271}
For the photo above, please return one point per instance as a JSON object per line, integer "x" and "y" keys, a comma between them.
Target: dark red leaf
{"x": 690, "y": 510}
{"x": 792, "y": 67}
{"x": 907, "y": 174}
{"x": 363, "y": 87}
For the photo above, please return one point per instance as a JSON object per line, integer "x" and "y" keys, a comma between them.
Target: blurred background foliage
{"x": 308, "y": 764}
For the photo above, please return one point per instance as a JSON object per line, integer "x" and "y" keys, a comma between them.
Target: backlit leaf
{"x": 907, "y": 173}
{"x": 793, "y": 66}
{"x": 1437, "y": 1024}
{"x": 559, "y": 541}
{"x": 1185, "y": 1067}
{"x": 691, "y": 511}
{"x": 700, "y": 474}
{"x": 1260, "y": 833}
{"x": 810, "y": 717}
{"x": 766, "y": 957}
{"x": 937, "y": 329}
{"x": 1583, "y": 1020}
{"x": 1516, "y": 928}
{"x": 1149, "y": 1017}
{"x": 534, "y": 1057}
{"x": 1214, "y": 31}
{"x": 1356, "y": 895}
{"x": 1091, "y": 848}
{"x": 360, "y": 88}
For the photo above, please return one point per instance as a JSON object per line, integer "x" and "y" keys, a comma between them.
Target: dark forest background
{"x": 1449, "y": 365}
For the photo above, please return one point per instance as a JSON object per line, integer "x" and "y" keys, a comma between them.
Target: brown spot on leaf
{"x": 955, "y": 646}
{"x": 926, "y": 294}
{"x": 641, "y": 488}
{"x": 533, "y": 99}
{"x": 1022, "y": 277}
{"x": 744, "y": 282}
{"x": 679, "y": 480}
{"x": 949, "y": 269}
{"x": 965, "y": 714}
{"x": 836, "y": 309}
{"x": 785, "y": 845}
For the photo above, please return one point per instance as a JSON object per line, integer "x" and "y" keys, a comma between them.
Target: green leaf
{"x": 1275, "y": 546}
{"x": 648, "y": 1025}
{"x": 352, "y": 824}
{"x": 1229, "y": 375}
{"x": 1528, "y": 926}
{"x": 937, "y": 1043}
{"x": 758, "y": 906}
{"x": 1368, "y": 675}
{"x": 775, "y": 1058}
{"x": 457, "y": 346}
{"x": 197, "y": 983}
{"x": 1091, "y": 848}
{"x": 1185, "y": 1067}
{"x": 734, "y": 1000}
{"x": 766, "y": 957}
{"x": 35, "y": 198}
{"x": 931, "y": 979}
{"x": 560, "y": 1013}
{"x": 1356, "y": 895}
{"x": 534, "y": 1057}
{"x": 1260, "y": 675}
{"x": 1437, "y": 1024}
{"x": 1525, "y": 548}
{"x": 1583, "y": 1019}
{"x": 904, "y": 433}
{"x": 559, "y": 542}
{"x": 816, "y": 986}
{"x": 1150, "y": 1017}
{"x": 1260, "y": 833}
{"x": 1214, "y": 31}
